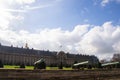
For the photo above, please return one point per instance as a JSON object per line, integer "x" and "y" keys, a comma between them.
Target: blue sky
{"x": 89, "y": 27}
{"x": 68, "y": 13}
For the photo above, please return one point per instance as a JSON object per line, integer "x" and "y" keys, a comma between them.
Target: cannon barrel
{"x": 40, "y": 64}
{"x": 39, "y": 61}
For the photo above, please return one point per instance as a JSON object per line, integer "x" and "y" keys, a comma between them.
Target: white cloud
{"x": 25, "y": 1}
{"x": 101, "y": 40}
{"x": 6, "y": 15}
{"x": 38, "y": 7}
{"x": 104, "y": 2}
{"x": 9, "y": 2}
{"x": 97, "y": 40}
{"x": 12, "y": 11}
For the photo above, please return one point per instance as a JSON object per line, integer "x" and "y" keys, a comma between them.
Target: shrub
{"x": 60, "y": 66}
{"x": 1, "y": 64}
{"x": 89, "y": 67}
{"x": 22, "y": 65}
{"x": 67, "y": 66}
{"x": 99, "y": 65}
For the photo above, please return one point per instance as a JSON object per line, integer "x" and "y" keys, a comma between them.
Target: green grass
{"x": 17, "y": 67}
{"x": 10, "y": 66}
{"x": 70, "y": 68}
{"x": 51, "y": 68}
{"x": 29, "y": 67}
{"x": 56, "y": 68}
{"x": 32, "y": 67}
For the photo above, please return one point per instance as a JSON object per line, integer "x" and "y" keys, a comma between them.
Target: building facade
{"x": 116, "y": 57}
{"x": 15, "y": 56}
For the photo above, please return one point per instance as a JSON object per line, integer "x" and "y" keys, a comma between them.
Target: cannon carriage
{"x": 40, "y": 64}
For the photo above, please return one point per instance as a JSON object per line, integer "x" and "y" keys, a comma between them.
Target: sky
{"x": 89, "y": 27}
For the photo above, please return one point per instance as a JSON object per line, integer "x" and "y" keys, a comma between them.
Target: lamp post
{"x": 60, "y": 57}
{"x": 61, "y": 65}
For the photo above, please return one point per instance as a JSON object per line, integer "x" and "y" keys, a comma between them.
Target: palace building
{"x": 15, "y": 56}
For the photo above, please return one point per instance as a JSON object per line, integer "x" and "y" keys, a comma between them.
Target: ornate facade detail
{"x": 15, "y": 55}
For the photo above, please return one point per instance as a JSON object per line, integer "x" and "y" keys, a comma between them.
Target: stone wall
{"x": 21, "y": 74}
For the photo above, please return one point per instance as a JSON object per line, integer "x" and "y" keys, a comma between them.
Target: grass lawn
{"x": 17, "y": 67}
{"x": 29, "y": 67}
{"x": 70, "y": 68}
{"x": 10, "y": 66}
{"x": 56, "y": 68}
{"x": 32, "y": 67}
{"x": 51, "y": 68}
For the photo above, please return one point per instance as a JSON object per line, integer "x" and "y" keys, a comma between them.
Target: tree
{"x": 99, "y": 65}
{"x": 1, "y": 64}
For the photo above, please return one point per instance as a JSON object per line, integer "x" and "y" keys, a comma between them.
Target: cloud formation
{"x": 12, "y": 11}
{"x": 7, "y": 7}
{"x": 101, "y": 40}
{"x": 104, "y": 2}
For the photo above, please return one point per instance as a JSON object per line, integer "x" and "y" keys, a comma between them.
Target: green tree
{"x": 99, "y": 65}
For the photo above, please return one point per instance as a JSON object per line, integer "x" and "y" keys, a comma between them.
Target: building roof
{"x": 60, "y": 52}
